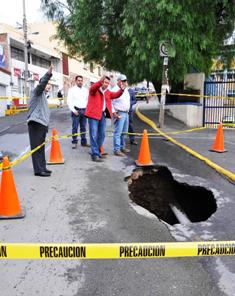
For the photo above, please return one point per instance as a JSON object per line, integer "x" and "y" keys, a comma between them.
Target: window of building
{"x": 2, "y": 90}
{"x": 91, "y": 67}
{"x": 17, "y": 54}
{"x": 31, "y": 85}
{"x": 21, "y": 86}
{"x": 85, "y": 66}
{"x": 41, "y": 62}
{"x": 54, "y": 91}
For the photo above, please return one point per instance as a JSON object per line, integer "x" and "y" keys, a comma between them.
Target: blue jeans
{"x": 97, "y": 134}
{"x": 120, "y": 126}
{"x": 76, "y": 120}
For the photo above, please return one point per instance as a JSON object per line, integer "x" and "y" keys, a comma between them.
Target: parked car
{"x": 228, "y": 119}
{"x": 140, "y": 93}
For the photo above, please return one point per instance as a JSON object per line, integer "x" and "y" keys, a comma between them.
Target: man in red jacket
{"x": 98, "y": 108}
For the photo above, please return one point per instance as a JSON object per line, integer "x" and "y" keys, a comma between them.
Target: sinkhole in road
{"x": 156, "y": 190}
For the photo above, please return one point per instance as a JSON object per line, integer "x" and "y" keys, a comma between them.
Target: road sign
{"x": 166, "y": 49}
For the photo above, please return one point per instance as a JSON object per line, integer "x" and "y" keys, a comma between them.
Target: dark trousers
{"x": 76, "y": 120}
{"x": 131, "y": 127}
{"x": 37, "y": 135}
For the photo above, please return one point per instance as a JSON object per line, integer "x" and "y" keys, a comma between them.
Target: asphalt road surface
{"x": 86, "y": 202}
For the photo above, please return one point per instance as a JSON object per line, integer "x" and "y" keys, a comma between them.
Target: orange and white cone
{"x": 55, "y": 155}
{"x": 9, "y": 202}
{"x": 144, "y": 158}
{"x": 218, "y": 145}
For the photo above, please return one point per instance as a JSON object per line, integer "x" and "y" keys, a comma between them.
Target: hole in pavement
{"x": 156, "y": 190}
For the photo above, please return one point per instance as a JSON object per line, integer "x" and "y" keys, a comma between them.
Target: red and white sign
{"x": 17, "y": 72}
{"x": 36, "y": 76}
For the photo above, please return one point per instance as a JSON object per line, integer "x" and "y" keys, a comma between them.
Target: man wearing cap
{"x": 98, "y": 109}
{"x": 121, "y": 107}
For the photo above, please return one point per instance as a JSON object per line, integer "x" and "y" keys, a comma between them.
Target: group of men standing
{"x": 96, "y": 105}
{"x": 93, "y": 105}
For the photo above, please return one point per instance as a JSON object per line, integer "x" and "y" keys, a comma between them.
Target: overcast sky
{"x": 12, "y": 11}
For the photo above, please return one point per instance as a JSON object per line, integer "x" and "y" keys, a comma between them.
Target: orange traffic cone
{"x": 9, "y": 202}
{"x": 218, "y": 145}
{"x": 102, "y": 151}
{"x": 55, "y": 155}
{"x": 144, "y": 158}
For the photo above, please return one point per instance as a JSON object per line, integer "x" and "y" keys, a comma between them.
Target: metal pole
{"x": 26, "y": 72}
{"x": 165, "y": 86}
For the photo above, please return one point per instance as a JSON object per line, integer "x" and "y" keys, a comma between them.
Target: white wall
{"x": 190, "y": 114}
{"x": 195, "y": 81}
{"x": 4, "y": 91}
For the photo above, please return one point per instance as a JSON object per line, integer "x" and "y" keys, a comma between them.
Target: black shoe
{"x": 47, "y": 171}
{"x": 42, "y": 174}
{"x": 85, "y": 145}
{"x": 133, "y": 143}
{"x": 97, "y": 159}
{"x": 105, "y": 153}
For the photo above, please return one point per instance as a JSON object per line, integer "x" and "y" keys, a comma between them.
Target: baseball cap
{"x": 122, "y": 77}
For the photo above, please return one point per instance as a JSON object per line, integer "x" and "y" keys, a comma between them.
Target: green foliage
{"x": 124, "y": 35}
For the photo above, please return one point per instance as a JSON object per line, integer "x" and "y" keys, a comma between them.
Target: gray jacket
{"x": 38, "y": 106}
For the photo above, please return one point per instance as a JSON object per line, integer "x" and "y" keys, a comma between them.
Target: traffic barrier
{"x": 144, "y": 158}
{"x": 55, "y": 155}
{"x": 9, "y": 201}
{"x": 117, "y": 251}
{"x": 218, "y": 145}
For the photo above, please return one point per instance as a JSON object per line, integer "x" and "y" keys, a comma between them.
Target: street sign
{"x": 166, "y": 49}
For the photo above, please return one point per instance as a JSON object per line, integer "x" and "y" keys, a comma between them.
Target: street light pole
{"x": 26, "y": 72}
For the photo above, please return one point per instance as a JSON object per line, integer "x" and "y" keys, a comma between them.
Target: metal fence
{"x": 220, "y": 105}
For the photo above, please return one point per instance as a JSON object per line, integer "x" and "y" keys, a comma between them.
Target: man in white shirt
{"x": 121, "y": 107}
{"x": 77, "y": 101}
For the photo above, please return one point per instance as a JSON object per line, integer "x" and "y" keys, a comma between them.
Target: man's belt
{"x": 122, "y": 111}
{"x": 79, "y": 109}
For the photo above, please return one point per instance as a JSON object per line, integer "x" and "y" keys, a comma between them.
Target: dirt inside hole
{"x": 156, "y": 190}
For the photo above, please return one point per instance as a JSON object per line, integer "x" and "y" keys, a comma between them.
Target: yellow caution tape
{"x": 116, "y": 251}
{"x": 27, "y": 154}
{"x": 230, "y": 175}
{"x": 169, "y": 133}
{"x": 13, "y": 98}
{"x": 186, "y": 95}
{"x": 229, "y": 124}
{"x": 143, "y": 95}
{"x": 21, "y": 98}
{"x": 201, "y": 96}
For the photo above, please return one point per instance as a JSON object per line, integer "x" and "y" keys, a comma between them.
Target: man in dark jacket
{"x": 131, "y": 115}
{"x": 38, "y": 121}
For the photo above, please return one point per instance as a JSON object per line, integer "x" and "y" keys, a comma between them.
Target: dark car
{"x": 141, "y": 93}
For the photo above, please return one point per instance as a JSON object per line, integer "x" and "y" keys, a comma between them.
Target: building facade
{"x": 43, "y": 49}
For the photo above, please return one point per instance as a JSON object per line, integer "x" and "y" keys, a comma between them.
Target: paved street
{"x": 86, "y": 202}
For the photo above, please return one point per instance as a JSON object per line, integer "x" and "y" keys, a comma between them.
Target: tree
{"x": 124, "y": 35}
